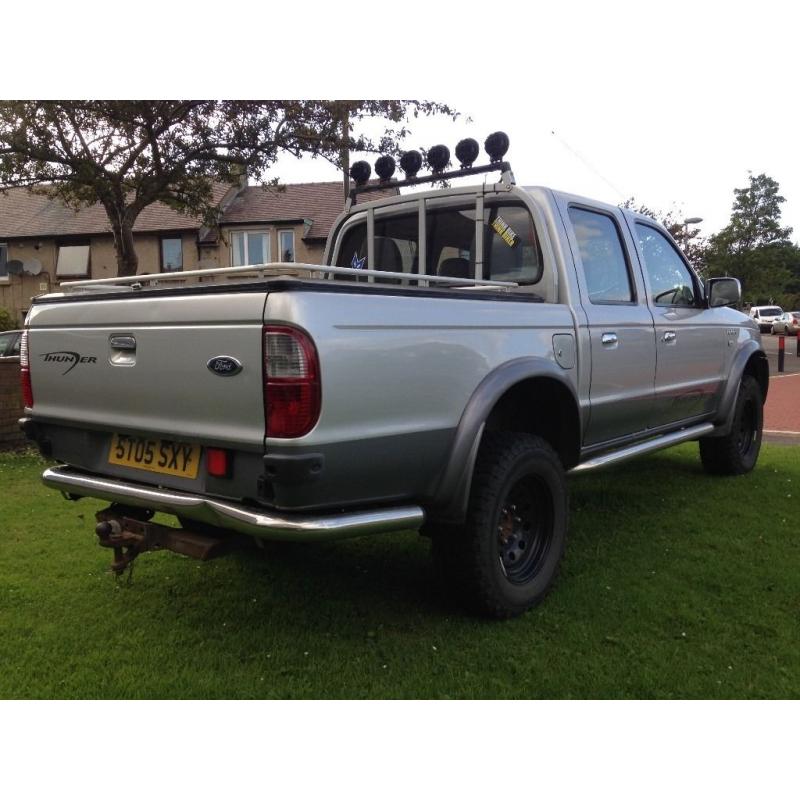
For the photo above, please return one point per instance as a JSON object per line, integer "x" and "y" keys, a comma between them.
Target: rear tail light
{"x": 25, "y": 371}
{"x": 291, "y": 382}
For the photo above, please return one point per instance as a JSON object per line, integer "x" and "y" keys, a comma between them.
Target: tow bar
{"x": 130, "y": 536}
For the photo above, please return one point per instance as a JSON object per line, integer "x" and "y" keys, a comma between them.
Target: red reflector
{"x": 27, "y": 389}
{"x": 217, "y": 462}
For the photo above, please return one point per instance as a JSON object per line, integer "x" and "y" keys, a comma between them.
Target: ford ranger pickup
{"x": 457, "y": 354}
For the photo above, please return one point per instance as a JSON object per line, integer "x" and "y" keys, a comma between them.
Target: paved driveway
{"x": 782, "y": 411}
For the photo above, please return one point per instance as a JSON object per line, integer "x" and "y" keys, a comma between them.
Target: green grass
{"x": 675, "y": 584}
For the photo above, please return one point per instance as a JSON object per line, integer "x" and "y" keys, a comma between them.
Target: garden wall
{"x": 10, "y": 406}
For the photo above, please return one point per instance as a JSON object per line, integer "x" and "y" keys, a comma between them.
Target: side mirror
{"x": 723, "y": 292}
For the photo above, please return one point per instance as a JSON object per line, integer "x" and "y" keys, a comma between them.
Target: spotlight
{"x": 384, "y": 167}
{"x": 438, "y": 157}
{"x": 496, "y": 145}
{"x": 410, "y": 163}
{"x": 360, "y": 172}
{"x": 467, "y": 150}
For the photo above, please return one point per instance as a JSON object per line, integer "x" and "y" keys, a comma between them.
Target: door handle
{"x": 123, "y": 342}
{"x": 123, "y": 351}
{"x": 609, "y": 338}
{"x": 669, "y": 336}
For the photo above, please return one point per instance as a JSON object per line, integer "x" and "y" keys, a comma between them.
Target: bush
{"x": 8, "y": 321}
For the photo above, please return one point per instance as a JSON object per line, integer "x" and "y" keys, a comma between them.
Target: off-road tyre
{"x": 737, "y": 452}
{"x": 505, "y": 557}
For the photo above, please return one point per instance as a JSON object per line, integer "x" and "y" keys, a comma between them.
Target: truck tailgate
{"x": 158, "y": 382}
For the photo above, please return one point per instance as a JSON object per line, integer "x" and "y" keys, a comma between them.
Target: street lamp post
{"x": 686, "y": 223}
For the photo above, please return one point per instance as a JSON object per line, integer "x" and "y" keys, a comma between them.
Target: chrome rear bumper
{"x": 243, "y": 519}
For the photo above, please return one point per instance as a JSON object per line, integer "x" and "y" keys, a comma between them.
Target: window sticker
{"x": 357, "y": 263}
{"x": 505, "y": 231}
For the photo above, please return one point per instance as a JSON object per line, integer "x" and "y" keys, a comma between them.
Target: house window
{"x": 286, "y": 241}
{"x": 249, "y": 247}
{"x": 3, "y": 262}
{"x": 73, "y": 261}
{"x": 172, "y": 254}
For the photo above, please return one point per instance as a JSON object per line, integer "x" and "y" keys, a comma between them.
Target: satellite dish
{"x": 31, "y": 266}
{"x": 14, "y": 267}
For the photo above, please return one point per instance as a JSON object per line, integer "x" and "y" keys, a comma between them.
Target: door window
{"x": 671, "y": 283}
{"x": 602, "y": 256}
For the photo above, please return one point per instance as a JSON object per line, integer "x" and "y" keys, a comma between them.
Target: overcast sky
{"x": 672, "y": 105}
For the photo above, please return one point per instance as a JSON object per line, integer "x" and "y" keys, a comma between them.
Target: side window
{"x": 511, "y": 250}
{"x": 605, "y": 266}
{"x": 671, "y": 282}
{"x": 5, "y": 341}
{"x": 396, "y": 245}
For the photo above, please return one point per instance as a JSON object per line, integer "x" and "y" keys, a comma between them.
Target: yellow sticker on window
{"x": 505, "y": 231}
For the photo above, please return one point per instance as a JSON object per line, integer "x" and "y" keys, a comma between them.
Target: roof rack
{"x": 282, "y": 268}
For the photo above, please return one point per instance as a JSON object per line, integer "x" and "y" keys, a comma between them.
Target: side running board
{"x": 639, "y": 449}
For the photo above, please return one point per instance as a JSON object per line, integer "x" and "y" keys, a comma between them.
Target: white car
{"x": 764, "y": 316}
{"x": 788, "y": 323}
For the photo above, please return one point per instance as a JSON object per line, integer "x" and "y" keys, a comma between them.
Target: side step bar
{"x": 258, "y": 522}
{"x": 650, "y": 446}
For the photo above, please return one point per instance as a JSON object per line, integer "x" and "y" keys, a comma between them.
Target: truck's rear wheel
{"x": 505, "y": 557}
{"x": 737, "y": 452}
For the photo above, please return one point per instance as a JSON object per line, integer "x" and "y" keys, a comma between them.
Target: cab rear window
{"x": 511, "y": 249}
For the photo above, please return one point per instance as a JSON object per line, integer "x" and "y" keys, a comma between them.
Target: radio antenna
{"x": 589, "y": 166}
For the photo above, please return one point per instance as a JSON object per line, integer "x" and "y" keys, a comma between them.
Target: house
{"x": 257, "y": 224}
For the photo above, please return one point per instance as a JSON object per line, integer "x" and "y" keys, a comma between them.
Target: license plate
{"x": 155, "y": 455}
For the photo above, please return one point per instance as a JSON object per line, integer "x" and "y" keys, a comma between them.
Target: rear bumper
{"x": 243, "y": 519}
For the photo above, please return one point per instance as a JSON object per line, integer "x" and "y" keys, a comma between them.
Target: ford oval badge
{"x": 224, "y": 366}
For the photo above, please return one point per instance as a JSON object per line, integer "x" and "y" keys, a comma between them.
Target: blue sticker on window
{"x": 357, "y": 263}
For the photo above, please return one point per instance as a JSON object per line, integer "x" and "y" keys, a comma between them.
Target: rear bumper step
{"x": 243, "y": 519}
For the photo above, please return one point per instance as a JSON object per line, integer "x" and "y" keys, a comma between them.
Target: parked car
{"x": 9, "y": 345}
{"x": 764, "y": 316}
{"x": 456, "y": 355}
{"x": 788, "y": 323}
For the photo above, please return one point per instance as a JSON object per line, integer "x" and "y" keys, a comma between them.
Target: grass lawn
{"x": 675, "y": 585}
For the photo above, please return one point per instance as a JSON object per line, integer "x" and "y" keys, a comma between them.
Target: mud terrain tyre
{"x": 505, "y": 557}
{"x": 737, "y": 452}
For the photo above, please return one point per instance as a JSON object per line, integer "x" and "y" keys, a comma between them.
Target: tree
{"x": 693, "y": 246}
{"x": 754, "y": 247}
{"x": 127, "y": 155}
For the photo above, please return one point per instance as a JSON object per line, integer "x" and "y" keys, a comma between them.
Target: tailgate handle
{"x": 123, "y": 342}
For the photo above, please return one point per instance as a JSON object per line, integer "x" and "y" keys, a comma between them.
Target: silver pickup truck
{"x": 457, "y": 354}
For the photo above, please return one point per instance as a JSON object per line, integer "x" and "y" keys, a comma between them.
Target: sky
{"x": 672, "y": 104}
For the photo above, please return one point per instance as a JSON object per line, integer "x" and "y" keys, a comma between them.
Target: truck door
{"x": 620, "y": 324}
{"x": 691, "y": 342}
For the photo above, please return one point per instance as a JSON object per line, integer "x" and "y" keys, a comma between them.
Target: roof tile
{"x": 24, "y": 213}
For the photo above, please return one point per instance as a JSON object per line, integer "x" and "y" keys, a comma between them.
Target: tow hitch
{"x": 129, "y": 535}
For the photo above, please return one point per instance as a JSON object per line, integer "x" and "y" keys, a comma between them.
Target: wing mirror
{"x": 723, "y": 292}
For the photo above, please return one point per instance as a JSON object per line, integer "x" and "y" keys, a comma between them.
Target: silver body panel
{"x": 400, "y": 368}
